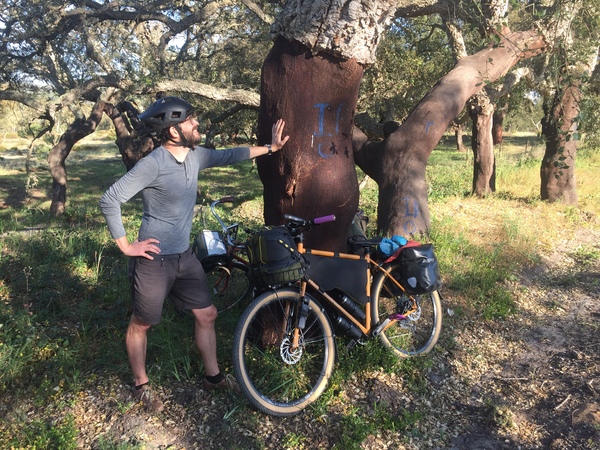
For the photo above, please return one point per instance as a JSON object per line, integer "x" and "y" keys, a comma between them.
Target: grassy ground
{"x": 63, "y": 291}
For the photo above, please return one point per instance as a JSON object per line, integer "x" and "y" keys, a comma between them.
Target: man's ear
{"x": 173, "y": 133}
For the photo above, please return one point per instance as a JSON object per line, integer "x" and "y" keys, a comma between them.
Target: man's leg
{"x": 206, "y": 338}
{"x": 206, "y": 341}
{"x": 190, "y": 292}
{"x": 136, "y": 343}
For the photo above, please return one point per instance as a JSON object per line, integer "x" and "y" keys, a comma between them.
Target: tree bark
{"x": 498, "y": 126}
{"x": 484, "y": 162}
{"x": 458, "y": 135}
{"x": 559, "y": 126}
{"x": 132, "y": 141}
{"x": 349, "y": 29}
{"x": 314, "y": 175}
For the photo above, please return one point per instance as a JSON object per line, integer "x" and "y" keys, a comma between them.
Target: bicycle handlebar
{"x": 324, "y": 219}
{"x": 225, "y": 229}
{"x": 297, "y": 225}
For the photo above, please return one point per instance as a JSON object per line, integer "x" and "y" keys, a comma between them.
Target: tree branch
{"x": 246, "y": 98}
{"x": 256, "y": 9}
{"x": 29, "y": 100}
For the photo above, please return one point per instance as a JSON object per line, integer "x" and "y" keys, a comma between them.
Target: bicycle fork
{"x": 301, "y": 316}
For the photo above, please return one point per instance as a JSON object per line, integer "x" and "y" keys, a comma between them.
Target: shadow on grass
{"x": 60, "y": 319}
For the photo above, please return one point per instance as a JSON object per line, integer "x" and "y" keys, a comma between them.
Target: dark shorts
{"x": 179, "y": 277}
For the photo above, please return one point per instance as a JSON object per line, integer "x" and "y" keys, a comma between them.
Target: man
{"x": 162, "y": 263}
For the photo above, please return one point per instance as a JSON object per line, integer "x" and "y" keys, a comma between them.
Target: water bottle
{"x": 347, "y": 327}
{"x": 350, "y": 306}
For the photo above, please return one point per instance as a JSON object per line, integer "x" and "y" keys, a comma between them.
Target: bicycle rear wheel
{"x": 277, "y": 378}
{"x": 416, "y": 334}
{"x": 229, "y": 284}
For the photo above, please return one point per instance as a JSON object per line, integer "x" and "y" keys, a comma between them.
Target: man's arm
{"x": 120, "y": 192}
{"x": 138, "y": 248}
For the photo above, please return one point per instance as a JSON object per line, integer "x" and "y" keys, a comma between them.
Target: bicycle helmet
{"x": 166, "y": 112}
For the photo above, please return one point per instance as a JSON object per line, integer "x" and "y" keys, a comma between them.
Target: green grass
{"x": 40, "y": 435}
{"x": 64, "y": 292}
{"x": 586, "y": 255}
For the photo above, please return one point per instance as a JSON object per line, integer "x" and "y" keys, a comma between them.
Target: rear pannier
{"x": 418, "y": 271}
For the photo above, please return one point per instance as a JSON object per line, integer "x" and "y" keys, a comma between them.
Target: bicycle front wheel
{"x": 277, "y": 377}
{"x": 419, "y": 331}
{"x": 229, "y": 284}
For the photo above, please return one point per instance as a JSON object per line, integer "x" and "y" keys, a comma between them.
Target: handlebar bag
{"x": 274, "y": 257}
{"x": 208, "y": 243}
{"x": 417, "y": 271}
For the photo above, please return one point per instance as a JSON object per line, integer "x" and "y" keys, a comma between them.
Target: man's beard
{"x": 193, "y": 137}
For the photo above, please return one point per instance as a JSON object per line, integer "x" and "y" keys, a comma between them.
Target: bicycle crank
{"x": 408, "y": 311}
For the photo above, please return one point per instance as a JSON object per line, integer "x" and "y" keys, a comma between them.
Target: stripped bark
{"x": 314, "y": 175}
{"x": 481, "y": 110}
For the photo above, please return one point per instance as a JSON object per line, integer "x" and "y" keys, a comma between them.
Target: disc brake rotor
{"x": 289, "y": 354}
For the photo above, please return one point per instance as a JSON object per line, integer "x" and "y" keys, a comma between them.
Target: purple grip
{"x": 324, "y": 219}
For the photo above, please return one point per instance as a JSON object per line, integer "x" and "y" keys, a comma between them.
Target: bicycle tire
{"x": 275, "y": 379}
{"x": 415, "y": 335}
{"x": 229, "y": 284}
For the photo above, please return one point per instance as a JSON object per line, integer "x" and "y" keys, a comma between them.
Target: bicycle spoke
{"x": 228, "y": 286}
{"x": 416, "y": 321}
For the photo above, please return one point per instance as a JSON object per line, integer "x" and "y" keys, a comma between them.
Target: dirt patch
{"x": 539, "y": 388}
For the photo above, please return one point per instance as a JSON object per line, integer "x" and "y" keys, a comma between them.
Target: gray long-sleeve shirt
{"x": 168, "y": 194}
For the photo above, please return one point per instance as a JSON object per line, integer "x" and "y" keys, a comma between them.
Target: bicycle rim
{"x": 419, "y": 332}
{"x": 276, "y": 378}
{"x": 229, "y": 285}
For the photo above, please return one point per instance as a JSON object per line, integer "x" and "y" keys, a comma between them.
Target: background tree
{"x": 573, "y": 63}
{"x": 64, "y": 55}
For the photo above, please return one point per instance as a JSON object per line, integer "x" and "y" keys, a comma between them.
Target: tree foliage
{"x": 62, "y": 54}
{"x": 412, "y": 57}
